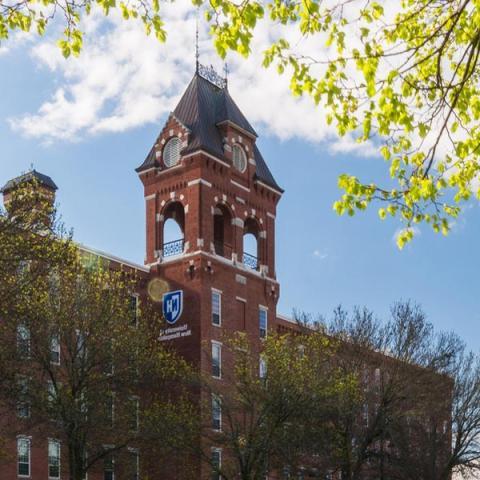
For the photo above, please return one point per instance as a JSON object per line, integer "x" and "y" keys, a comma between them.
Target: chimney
{"x": 37, "y": 203}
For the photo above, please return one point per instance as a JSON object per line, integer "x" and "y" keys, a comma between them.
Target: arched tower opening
{"x": 173, "y": 233}
{"x": 251, "y": 244}
{"x": 222, "y": 231}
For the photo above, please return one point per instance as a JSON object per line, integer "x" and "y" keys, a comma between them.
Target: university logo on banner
{"x": 172, "y": 306}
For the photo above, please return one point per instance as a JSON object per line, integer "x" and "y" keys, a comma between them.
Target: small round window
{"x": 239, "y": 158}
{"x": 171, "y": 152}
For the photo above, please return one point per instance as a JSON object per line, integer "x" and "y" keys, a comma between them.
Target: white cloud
{"x": 320, "y": 254}
{"x": 124, "y": 79}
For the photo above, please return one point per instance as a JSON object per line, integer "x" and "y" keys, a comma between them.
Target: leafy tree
{"x": 267, "y": 400}
{"x": 404, "y": 76}
{"x": 415, "y": 413}
{"x": 78, "y": 360}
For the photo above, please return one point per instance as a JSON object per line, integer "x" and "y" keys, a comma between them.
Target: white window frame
{"x": 217, "y": 406}
{"x": 218, "y": 293}
{"x": 29, "y": 441}
{"x": 55, "y": 348}
{"x": 262, "y": 309}
{"x": 23, "y": 383}
{"x": 57, "y": 442}
{"x": 136, "y": 400}
{"x": 219, "y": 452}
{"x": 81, "y": 346}
{"x": 243, "y": 156}
{"x": 136, "y": 452}
{"x": 136, "y": 296}
{"x": 262, "y": 367}
{"x": 113, "y": 462}
{"x": 24, "y": 337}
{"x": 217, "y": 345}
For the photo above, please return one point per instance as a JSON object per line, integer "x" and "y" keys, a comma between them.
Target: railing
{"x": 250, "y": 261}
{"x": 173, "y": 248}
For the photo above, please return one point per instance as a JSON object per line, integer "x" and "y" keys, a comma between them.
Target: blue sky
{"x": 322, "y": 259}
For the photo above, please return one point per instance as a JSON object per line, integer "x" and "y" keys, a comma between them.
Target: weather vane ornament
{"x": 209, "y": 73}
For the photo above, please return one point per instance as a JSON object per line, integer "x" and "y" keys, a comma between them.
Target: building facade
{"x": 210, "y": 210}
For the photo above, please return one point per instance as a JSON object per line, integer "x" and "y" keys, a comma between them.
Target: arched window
{"x": 239, "y": 158}
{"x": 222, "y": 231}
{"x": 171, "y": 152}
{"x": 251, "y": 244}
{"x": 173, "y": 229}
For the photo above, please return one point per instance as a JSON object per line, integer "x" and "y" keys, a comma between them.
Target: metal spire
{"x": 197, "y": 50}
{"x": 225, "y": 73}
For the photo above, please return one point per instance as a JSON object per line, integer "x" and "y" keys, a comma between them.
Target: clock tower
{"x": 206, "y": 178}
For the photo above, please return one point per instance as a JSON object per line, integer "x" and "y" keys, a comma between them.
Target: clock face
{"x": 156, "y": 288}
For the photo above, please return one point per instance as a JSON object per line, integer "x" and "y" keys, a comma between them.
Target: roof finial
{"x": 225, "y": 73}
{"x": 197, "y": 51}
{"x": 32, "y": 167}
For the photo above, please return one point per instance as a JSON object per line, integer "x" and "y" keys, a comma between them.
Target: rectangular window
{"x": 53, "y": 459}
{"x": 23, "y": 341}
{"x": 216, "y": 412}
{"x": 262, "y": 368}
{"x": 134, "y": 309}
{"x": 134, "y": 469}
{"x": 216, "y": 463}
{"x": 216, "y": 308}
{"x": 109, "y": 468}
{"x": 135, "y": 414}
{"x": 262, "y": 321}
{"x": 23, "y": 457}
{"x": 110, "y": 360}
{"x": 365, "y": 414}
{"x": 81, "y": 345}
{"x": 216, "y": 360}
{"x": 51, "y": 393}
{"x": 55, "y": 349}
{"x": 23, "y": 403}
{"x": 110, "y": 408}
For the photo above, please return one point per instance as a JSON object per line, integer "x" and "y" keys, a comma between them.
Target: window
{"x": 134, "y": 309}
{"x": 134, "y": 465}
{"x": 23, "y": 404}
{"x": 216, "y": 463}
{"x": 262, "y": 368}
{"x": 55, "y": 349}
{"x": 110, "y": 360}
{"x": 110, "y": 407}
{"x": 262, "y": 321}
{"x": 51, "y": 393}
{"x": 216, "y": 308}
{"x": 216, "y": 360}
{"x": 239, "y": 158}
{"x": 53, "y": 459}
{"x": 365, "y": 414}
{"x": 23, "y": 340}
{"x": 23, "y": 457}
{"x": 216, "y": 412}
{"x": 81, "y": 345}
{"x": 109, "y": 468}
{"x": 135, "y": 414}
{"x": 171, "y": 152}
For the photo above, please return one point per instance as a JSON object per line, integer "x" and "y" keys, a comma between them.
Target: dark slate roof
{"x": 42, "y": 179}
{"x": 201, "y": 109}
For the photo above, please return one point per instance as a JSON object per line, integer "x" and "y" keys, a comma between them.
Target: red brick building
{"x": 205, "y": 174}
